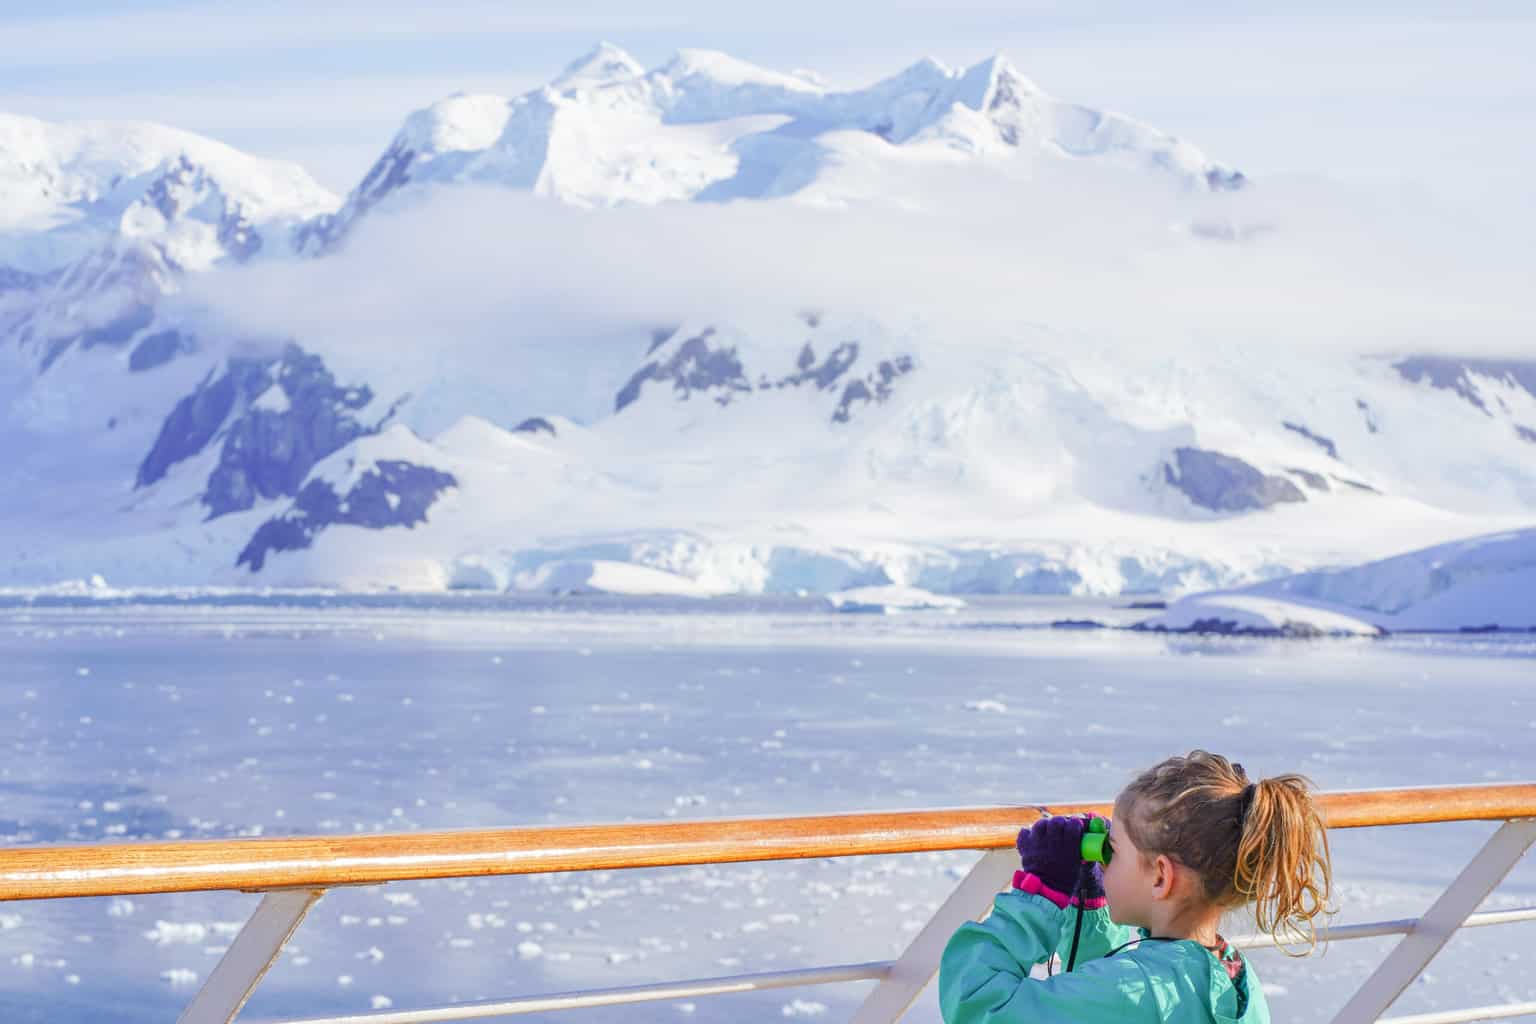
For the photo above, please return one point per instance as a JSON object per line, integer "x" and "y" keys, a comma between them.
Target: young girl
{"x": 1192, "y": 838}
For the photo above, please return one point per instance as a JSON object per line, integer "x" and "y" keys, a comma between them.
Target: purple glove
{"x": 1051, "y": 850}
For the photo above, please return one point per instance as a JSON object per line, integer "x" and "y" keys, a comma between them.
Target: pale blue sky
{"x": 1438, "y": 94}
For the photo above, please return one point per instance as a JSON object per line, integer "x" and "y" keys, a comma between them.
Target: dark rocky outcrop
{"x": 1456, "y": 374}
{"x": 825, "y": 373}
{"x": 874, "y": 388}
{"x": 1223, "y": 483}
{"x": 238, "y": 235}
{"x": 1525, "y": 433}
{"x": 1357, "y": 485}
{"x": 1370, "y": 417}
{"x": 1224, "y": 179}
{"x": 184, "y": 184}
{"x": 393, "y": 493}
{"x": 535, "y": 425}
{"x": 267, "y": 450}
{"x": 1290, "y": 629}
{"x": 391, "y": 171}
{"x": 1322, "y": 442}
{"x": 695, "y": 366}
{"x": 158, "y": 349}
{"x": 1316, "y": 481}
{"x": 197, "y": 418}
{"x": 268, "y": 453}
{"x": 659, "y": 337}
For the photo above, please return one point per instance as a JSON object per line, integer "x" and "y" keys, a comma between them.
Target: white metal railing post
{"x": 916, "y": 966}
{"x": 1440, "y": 922}
{"x": 250, "y": 956}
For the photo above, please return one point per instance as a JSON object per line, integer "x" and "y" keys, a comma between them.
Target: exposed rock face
{"x": 198, "y": 416}
{"x": 393, "y": 493}
{"x": 238, "y": 236}
{"x": 824, "y": 374}
{"x": 387, "y": 174}
{"x": 1316, "y": 481}
{"x": 186, "y": 192}
{"x": 1223, "y": 483}
{"x": 696, "y": 366}
{"x": 1525, "y": 433}
{"x": 1456, "y": 374}
{"x": 269, "y": 451}
{"x": 874, "y": 388}
{"x": 659, "y": 337}
{"x": 158, "y": 349}
{"x": 278, "y": 418}
{"x": 535, "y": 425}
{"x": 1322, "y": 442}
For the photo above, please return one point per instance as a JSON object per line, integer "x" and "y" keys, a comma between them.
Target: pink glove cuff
{"x": 1025, "y": 881}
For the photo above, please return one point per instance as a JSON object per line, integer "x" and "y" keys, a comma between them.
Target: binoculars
{"x": 1096, "y": 846}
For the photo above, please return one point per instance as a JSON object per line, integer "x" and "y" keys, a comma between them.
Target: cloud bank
{"x": 471, "y": 274}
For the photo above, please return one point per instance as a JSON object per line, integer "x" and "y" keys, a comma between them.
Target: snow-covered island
{"x": 1484, "y": 584}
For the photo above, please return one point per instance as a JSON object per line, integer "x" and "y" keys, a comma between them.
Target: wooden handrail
{"x": 121, "y": 869}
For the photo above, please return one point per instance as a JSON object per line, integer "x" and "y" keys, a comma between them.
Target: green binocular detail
{"x": 1096, "y": 846}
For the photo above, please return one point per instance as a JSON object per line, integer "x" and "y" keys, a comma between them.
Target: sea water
{"x": 155, "y": 718}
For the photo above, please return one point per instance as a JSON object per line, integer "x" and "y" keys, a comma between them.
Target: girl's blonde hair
{"x": 1251, "y": 842}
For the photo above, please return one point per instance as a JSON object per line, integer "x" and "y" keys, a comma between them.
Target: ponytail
{"x": 1283, "y": 865}
{"x": 1262, "y": 843}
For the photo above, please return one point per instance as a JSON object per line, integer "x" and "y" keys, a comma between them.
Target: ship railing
{"x": 293, "y": 873}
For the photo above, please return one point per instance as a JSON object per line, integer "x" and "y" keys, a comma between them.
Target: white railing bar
{"x": 618, "y": 996}
{"x": 250, "y": 956}
{"x": 1372, "y": 929}
{"x": 1503, "y": 1012}
{"x": 1463, "y": 896}
{"x": 887, "y": 971}
{"x": 970, "y": 901}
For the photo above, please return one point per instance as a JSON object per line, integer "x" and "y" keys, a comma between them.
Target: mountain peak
{"x": 460, "y": 122}
{"x": 993, "y": 83}
{"x": 723, "y": 69}
{"x": 602, "y": 64}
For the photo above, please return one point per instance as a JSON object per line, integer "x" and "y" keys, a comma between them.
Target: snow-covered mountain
{"x": 67, "y": 189}
{"x": 705, "y": 126}
{"x": 98, "y": 220}
{"x": 154, "y": 437}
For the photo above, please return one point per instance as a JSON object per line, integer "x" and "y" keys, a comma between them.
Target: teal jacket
{"x": 984, "y": 975}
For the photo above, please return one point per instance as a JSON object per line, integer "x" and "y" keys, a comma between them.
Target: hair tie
{"x": 1245, "y": 803}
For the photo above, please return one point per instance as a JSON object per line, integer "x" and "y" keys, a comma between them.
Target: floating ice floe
{"x": 891, "y": 599}
{"x": 167, "y": 933}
